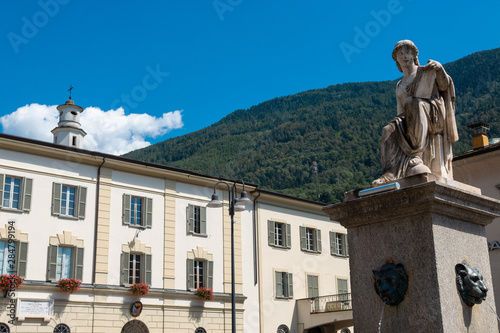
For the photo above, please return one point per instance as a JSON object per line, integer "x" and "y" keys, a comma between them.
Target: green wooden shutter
{"x": 190, "y": 220}
{"x": 279, "y": 283}
{"x": 149, "y": 212}
{"x": 288, "y": 238}
{"x": 203, "y": 220}
{"x": 190, "y": 274}
{"x": 303, "y": 241}
{"x": 290, "y": 285}
{"x": 148, "y": 260}
{"x": 333, "y": 243}
{"x": 126, "y": 209}
{"x": 27, "y": 190}
{"x": 79, "y": 263}
{"x": 22, "y": 258}
{"x": 346, "y": 243}
{"x": 2, "y": 177}
{"x": 124, "y": 267}
{"x": 56, "y": 198}
{"x": 270, "y": 232}
{"x": 82, "y": 200}
{"x": 318, "y": 241}
{"x": 210, "y": 274}
{"x": 312, "y": 286}
{"x": 52, "y": 263}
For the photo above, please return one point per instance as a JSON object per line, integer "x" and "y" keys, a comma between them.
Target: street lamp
{"x": 235, "y": 205}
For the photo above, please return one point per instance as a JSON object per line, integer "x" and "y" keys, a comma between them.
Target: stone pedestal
{"x": 429, "y": 226}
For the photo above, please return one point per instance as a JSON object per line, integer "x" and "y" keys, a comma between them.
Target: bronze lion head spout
{"x": 470, "y": 284}
{"x": 391, "y": 283}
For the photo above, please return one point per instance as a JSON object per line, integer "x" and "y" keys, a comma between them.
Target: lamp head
{"x": 215, "y": 202}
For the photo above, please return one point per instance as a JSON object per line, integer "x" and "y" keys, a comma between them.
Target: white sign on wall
{"x": 34, "y": 308}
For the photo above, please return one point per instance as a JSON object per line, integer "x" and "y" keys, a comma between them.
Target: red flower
{"x": 205, "y": 293}
{"x": 10, "y": 282}
{"x": 139, "y": 289}
{"x": 70, "y": 285}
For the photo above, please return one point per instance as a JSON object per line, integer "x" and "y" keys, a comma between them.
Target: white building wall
{"x": 141, "y": 186}
{"x": 278, "y": 311}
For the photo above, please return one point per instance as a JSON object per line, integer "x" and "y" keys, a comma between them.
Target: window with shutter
{"x": 283, "y": 284}
{"x": 310, "y": 239}
{"x": 137, "y": 211}
{"x": 68, "y": 200}
{"x": 196, "y": 223}
{"x": 15, "y": 192}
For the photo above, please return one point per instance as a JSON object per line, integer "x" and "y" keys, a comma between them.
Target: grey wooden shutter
{"x": 79, "y": 263}
{"x": 2, "y": 179}
{"x": 149, "y": 212}
{"x": 270, "y": 232}
{"x": 346, "y": 242}
{"x": 148, "y": 260}
{"x": 303, "y": 241}
{"x": 27, "y": 189}
{"x": 312, "y": 286}
{"x": 52, "y": 263}
{"x": 126, "y": 209}
{"x": 210, "y": 274}
{"x": 203, "y": 220}
{"x": 190, "y": 219}
{"x": 22, "y": 258}
{"x": 288, "y": 238}
{"x": 342, "y": 286}
{"x": 290, "y": 285}
{"x": 333, "y": 243}
{"x": 82, "y": 200}
{"x": 124, "y": 268}
{"x": 190, "y": 274}
{"x": 56, "y": 198}
{"x": 318, "y": 241}
{"x": 279, "y": 284}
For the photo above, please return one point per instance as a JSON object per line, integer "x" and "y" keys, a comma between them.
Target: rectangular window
{"x": 64, "y": 261}
{"x": 13, "y": 257}
{"x": 199, "y": 273}
{"x": 312, "y": 286}
{"x": 310, "y": 239}
{"x": 279, "y": 234}
{"x": 68, "y": 197}
{"x": 338, "y": 244}
{"x": 342, "y": 289}
{"x": 135, "y": 268}
{"x": 15, "y": 192}
{"x": 68, "y": 200}
{"x": 283, "y": 284}
{"x": 196, "y": 220}
{"x": 137, "y": 211}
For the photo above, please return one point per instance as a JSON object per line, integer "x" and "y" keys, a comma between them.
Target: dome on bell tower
{"x": 69, "y": 131}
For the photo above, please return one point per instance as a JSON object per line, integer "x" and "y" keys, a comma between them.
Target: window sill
{"x": 280, "y": 247}
{"x": 13, "y": 210}
{"x": 283, "y": 298}
{"x": 68, "y": 217}
{"x": 340, "y": 256}
{"x": 137, "y": 226}
{"x": 198, "y": 235}
{"x": 311, "y": 251}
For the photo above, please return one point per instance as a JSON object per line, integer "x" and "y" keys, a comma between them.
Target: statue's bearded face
{"x": 470, "y": 284}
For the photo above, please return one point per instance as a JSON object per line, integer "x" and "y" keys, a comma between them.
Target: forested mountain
{"x": 275, "y": 143}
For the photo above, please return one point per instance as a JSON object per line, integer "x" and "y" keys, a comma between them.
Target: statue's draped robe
{"x": 425, "y": 127}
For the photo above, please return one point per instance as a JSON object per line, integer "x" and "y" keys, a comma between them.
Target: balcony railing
{"x": 331, "y": 303}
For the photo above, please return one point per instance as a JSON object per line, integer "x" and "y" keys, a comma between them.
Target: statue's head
{"x": 470, "y": 284}
{"x": 391, "y": 283}
{"x": 409, "y": 44}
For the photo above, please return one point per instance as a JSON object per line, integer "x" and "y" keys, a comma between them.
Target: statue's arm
{"x": 398, "y": 101}
{"x": 441, "y": 76}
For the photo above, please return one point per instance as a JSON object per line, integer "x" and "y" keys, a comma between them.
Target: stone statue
{"x": 391, "y": 283}
{"x": 470, "y": 284}
{"x": 418, "y": 140}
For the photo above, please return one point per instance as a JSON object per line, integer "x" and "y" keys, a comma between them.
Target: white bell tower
{"x": 68, "y": 131}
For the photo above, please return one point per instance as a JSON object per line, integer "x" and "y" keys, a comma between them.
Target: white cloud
{"x": 109, "y": 131}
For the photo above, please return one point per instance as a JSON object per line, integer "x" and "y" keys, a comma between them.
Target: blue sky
{"x": 175, "y": 67}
